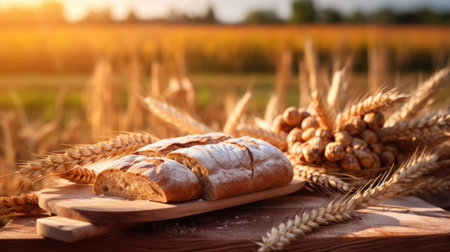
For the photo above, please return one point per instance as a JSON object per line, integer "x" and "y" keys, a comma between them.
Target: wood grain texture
{"x": 403, "y": 224}
{"x": 80, "y": 203}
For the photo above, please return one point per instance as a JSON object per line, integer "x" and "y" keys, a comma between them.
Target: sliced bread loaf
{"x": 155, "y": 179}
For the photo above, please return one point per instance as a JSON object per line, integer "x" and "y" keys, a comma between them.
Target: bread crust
{"x": 165, "y": 146}
{"x": 125, "y": 162}
{"x": 271, "y": 167}
{"x": 224, "y": 169}
{"x": 168, "y": 181}
{"x": 236, "y": 166}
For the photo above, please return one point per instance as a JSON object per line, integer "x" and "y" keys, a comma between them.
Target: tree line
{"x": 303, "y": 12}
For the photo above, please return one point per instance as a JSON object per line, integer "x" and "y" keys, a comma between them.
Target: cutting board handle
{"x": 69, "y": 230}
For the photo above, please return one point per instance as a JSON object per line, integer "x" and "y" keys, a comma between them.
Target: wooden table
{"x": 403, "y": 224}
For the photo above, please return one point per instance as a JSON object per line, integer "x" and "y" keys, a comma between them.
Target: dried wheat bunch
{"x": 85, "y": 154}
{"x": 339, "y": 211}
{"x": 421, "y": 127}
{"x": 22, "y": 204}
{"x": 418, "y": 100}
{"x": 180, "y": 120}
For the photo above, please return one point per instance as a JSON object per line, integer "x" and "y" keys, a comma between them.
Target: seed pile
{"x": 353, "y": 146}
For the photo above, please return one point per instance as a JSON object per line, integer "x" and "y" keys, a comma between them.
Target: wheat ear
{"x": 418, "y": 100}
{"x": 325, "y": 115}
{"x": 79, "y": 175}
{"x": 236, "y": 114}
{"x": 276, "y": 139}
{"x": 423, "y": 141}
{"x": 431, "y": 125}
{"x": 428, "y": 185}
{"x": 339, "y": 211}
{"x": 371, "y": 104}
{"x": 175, "y": 117}
{"x": 318, "y": 177}
{"x": 23, "y": 204}
{"x": 85, "y": 154}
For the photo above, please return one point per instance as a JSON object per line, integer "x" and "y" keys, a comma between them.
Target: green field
{"x": 38, "y": 92}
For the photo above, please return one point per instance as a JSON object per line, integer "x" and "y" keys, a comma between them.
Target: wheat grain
{"x": 325, "y": 115}
{"x": 430, "y": 125}
{"x": 22, "y": 204}
{"x": 85, "y": 154}
{"x": 79, "y": 175}
{"x": 339, "y": 211}
{"x": 180, "y": 120}
{"x": 417, "y": 101}
{"x": 236, "y": 114}
{"x": 371, "y": 104}
{"x": 276, "y": 139}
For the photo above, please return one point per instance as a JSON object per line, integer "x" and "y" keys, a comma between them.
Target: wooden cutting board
{"x": 80, "y": 203}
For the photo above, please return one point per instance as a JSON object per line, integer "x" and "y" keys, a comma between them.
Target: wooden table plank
{"x": 412, "y": 225}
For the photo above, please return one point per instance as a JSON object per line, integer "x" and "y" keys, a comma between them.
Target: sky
{"x": 227, "y": 11}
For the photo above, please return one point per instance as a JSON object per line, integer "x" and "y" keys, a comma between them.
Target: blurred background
{"x": 71, "y": 71}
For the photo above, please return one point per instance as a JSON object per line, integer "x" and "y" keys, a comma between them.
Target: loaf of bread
{"x": 155, "y": 179}
{"x": 235, "y": 166}
{"x": 213, "y": 166}
{"x": 165, "y": 146}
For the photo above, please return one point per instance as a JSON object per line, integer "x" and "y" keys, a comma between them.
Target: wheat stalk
{"x": 418, "y": 127}
{"x": 325, "y": 115}
{"x": 318, "y": 177}
{"x": 272, "y": 110}
{"x": 338, "y": 86}
{"x": 85, "y": 154}
{"x": 371, "y": 104}
{"x": 311, "y": 64}
{"x": 79, "y": 175}
{"x": 339, "y": 211}
{"x": 236, "y": 114}
{"x": 417, "y": 101}
{"x": 25, "y": 204}
{"x": 175, "y": 117}
{"x": 276, "y": 139}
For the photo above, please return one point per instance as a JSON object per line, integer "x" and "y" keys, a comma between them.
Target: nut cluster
{"x": 353, "y": 146}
